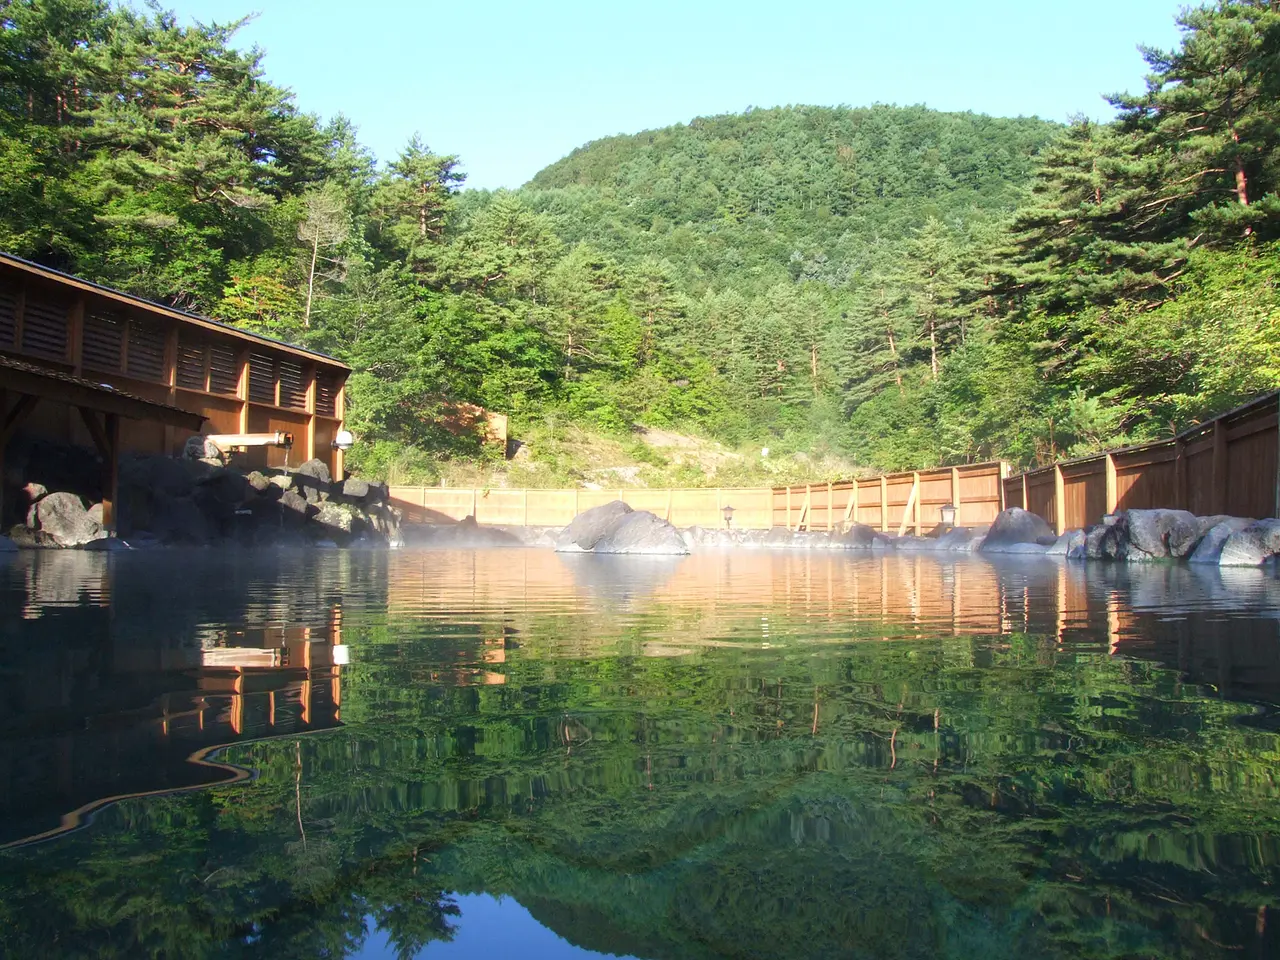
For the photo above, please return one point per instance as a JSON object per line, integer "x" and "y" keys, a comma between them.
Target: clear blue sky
{"x": 512, "y": 85}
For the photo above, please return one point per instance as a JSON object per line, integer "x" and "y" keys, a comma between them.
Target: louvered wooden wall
{"x": 240, "y": 384}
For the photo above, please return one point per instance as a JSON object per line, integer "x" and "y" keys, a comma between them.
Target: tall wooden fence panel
{"x": 906, "y": 501}
{"x": 1230, "y": 464}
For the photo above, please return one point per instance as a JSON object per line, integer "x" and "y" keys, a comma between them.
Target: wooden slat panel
{"x": 103, "y": 341}
{"x": 145, "y": 359}
{"x": 44, "y": 326}
{"x": 9, "y": 298}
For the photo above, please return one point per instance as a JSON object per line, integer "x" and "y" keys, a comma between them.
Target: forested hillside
{"x": 895, "y": 285}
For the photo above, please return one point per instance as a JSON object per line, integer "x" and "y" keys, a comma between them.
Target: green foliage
{"x": 906, "y": 286}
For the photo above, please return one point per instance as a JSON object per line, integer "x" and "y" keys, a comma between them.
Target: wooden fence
{"x": 1225, "y": 465}
{"x": 904, "y": 501}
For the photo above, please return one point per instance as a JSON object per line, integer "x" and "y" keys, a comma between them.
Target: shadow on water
{"x": 749, "y": 754}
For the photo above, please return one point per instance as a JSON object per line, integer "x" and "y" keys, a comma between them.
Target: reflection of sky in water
{"x": 489, "y": 927}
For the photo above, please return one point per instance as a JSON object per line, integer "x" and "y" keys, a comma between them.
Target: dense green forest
{"x": 896, "y": 285}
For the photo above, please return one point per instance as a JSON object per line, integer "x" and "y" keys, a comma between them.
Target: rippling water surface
{"x": 465, "y": 754}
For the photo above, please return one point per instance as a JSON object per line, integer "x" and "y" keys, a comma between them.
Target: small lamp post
{"x": 728, "y": 515}
{"x": 948, "y": 512}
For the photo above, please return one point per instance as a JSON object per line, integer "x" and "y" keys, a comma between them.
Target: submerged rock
{"x": 1070, "y": 544}
{"x": 1014, "y": 526}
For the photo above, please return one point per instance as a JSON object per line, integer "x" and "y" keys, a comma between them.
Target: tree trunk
{"x": 933, "y": 347}
{"x": 1242, "y": 183}
{"x": 311, "y": 279}
{"x": 893, "y": 350}
{"x": 813, "y": 366}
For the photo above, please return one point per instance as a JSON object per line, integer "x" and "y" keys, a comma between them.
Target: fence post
{"x": 1180, "y": 492}
{"x": 1219, "y": 467}
{"x": 915, "y": 510}
{"x": 831, "y": 509}
{"x": 884, "y": 504}
{"x": 1026, "y": 501}
{"x": 955, "y": 494}
{"x": 474, "y": 507}
{"x": 1113, "y": 496}
{"x": 1059, "y": 501}
{"x": 525, "y": 504}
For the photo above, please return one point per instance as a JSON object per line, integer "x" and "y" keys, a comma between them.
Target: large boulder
{"x": 1160, "y": 534}
{"x": 205, "y": 450}
{"x": 1253, "y": 546}
{"x": 1016, "y": 525}
{"x": 337, "y": 521}
{"x": 861, "y": 537}
{"x": 1215, "y": 538}
{"x": 63, "y": 517}
{"x": 639, "y": 531}
{"x": 1105, "y": 541}
{"x": 586, "y": 529}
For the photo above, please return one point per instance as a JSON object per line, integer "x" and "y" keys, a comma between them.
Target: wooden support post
{"x": 524, "y": 500}
{"x": 1113, "y": 497}
{"x": 1059, "y": 501}
{"x": 803, "y": 522}
{"x": 1026, "y": 501}
{"x": 851, "y": 508}
{"x": 911, "y": 502}
{"x": 915, "y": 486}
{"x": 309, "y": 403}
{"x": 242, "y": 388}
{"x": 475, "y": 504}
{"x": 1219, "y": 467}
{"x": 831, "y": 508}
{"x": 788, "y": 508}
{"x": 884, "y": 504}
{"x": 955, "y": 494}
{"x": 106, "y": 437}
{"x": 340, "y": 412}
{"x": 1181, "y": 495}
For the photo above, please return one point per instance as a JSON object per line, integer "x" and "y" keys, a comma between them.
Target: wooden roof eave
{"x": 137, "y": 303}
{"x": 100, "y": 398}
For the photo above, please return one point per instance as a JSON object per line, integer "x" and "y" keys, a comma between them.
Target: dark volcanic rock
{"x": 1016, "y": 525}
{"x": 640, "y": 531}
{"x": 586, "y": 529}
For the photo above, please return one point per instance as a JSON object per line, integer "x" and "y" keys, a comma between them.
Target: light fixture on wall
{"x": 343, "y": 440}
{"x": 948, "y": 512}
{"x": 728, "y": 515}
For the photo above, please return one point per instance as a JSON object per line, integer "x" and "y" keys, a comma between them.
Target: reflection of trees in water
{"x": 1003, "y": 785}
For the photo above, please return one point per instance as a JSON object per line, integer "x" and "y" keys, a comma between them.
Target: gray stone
{"x": 316, "y": 470}
{"x": 354, "y": 488}
{"x": 1210, "y": 547}
{"x": 25, "y": 536}
{"x": 1159, "y": 534}
{"x": 337, "y": 518}
{"x": 1253, "y": 546}
{"x": 95, "y": 513}
{"x": 294, "y": 508}
{"x": 257, "y": 480}
{"x": 588, "y": 527}
{"x": 640, "y": 531}
{"x": 63, "y": 517}
{"x": 203, "y": 449}
{"x": 35, "y": 491}
{"x": 860, "y": 537}
{"x": 1065, "y": 544}
{"x": 283, "y": 481}
{"x": 957, "y": 540}
{"x": 1016, "y": 525}
{"x": 1106, "y": 541}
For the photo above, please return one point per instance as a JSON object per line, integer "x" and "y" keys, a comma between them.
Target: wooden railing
{"x": 894, "y": 504}
{"x": 1227, "y": 465}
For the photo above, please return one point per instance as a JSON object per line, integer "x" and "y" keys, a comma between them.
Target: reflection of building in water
{"x": 1202, "y": 621}
{"x": 95, "y": 707}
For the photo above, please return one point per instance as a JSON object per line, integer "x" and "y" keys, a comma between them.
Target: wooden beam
{"x": 96, "y": 431}
{"x": 111, "y": 473}
{"x": 29, "y": 380}
{"x": 851, "y": 508}
{"x": 884, "y": 504}
{"x": 75, "y": 336}
{"x": 915, "y": 514}
{"x": 14, "y": 418}
{"x": 831, "y": 509}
